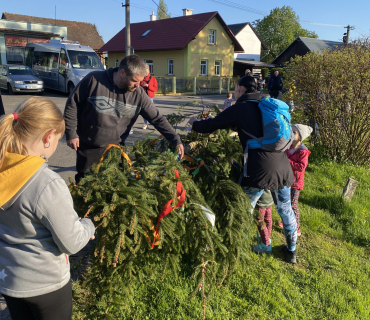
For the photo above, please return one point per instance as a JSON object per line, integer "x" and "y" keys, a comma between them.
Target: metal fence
{"x": 196, "y": 85}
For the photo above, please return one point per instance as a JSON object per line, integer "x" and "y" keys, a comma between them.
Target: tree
{"x": 130, "y": 202}
{"x": 279, "y": 29}
{"x": 162, "y": 11}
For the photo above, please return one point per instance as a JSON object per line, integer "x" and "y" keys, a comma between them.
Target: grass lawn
{"x": 330, "y": 281}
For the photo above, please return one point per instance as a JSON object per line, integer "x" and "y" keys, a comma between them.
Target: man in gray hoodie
{"x": 103, "y": 108}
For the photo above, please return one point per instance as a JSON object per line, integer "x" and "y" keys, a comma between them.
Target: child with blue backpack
{"x": 266, "y": 166}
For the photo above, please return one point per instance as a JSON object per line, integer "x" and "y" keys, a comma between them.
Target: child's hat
{"x": 303, "y": 130}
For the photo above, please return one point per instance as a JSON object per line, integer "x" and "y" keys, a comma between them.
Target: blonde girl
{"x": 38, "y": 226}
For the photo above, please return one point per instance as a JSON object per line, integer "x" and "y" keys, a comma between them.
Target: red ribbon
{"x": 167, "y": 208}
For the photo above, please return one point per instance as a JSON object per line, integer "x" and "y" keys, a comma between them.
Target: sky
{"x": 109, "y": 15}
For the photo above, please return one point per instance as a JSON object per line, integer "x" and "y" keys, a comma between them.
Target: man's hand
{"x": 92, "y": 238}
{"x": 181, "y": 151}
{"x": 74, "y": 143}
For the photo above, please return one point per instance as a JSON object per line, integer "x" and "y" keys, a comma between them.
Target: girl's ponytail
{"x": 32, "y": 119}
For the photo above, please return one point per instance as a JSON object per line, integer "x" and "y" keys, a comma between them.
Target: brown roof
{"x": 83, "y": 32}
{"x": 166, "y": 34}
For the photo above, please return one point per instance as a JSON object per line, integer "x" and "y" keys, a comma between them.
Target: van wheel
{"x": 10, "y": 90}
{"x": 71, "y": 87}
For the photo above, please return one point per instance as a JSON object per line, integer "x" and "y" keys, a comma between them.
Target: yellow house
{"x": 188, "y": 46}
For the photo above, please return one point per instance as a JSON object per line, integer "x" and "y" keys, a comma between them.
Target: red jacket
{"x": 152, "y": 85}
{"x": 299, "y": 161}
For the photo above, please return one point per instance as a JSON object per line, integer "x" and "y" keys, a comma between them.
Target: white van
{"x": 61, "y": 64}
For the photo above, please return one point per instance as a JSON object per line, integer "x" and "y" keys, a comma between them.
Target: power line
{"x": 263, "y": 13}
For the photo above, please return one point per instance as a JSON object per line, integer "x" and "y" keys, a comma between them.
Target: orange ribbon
{"x": 167, "y": 208}
{"x": 155, "y": 140}
{"x": 201, "y": 164}
{"x": 122, "y": 152}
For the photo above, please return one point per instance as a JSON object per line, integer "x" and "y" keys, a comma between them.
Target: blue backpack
{"x": 277, "y": 131}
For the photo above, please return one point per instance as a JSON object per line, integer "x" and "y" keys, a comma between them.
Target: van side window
{"x": 63, "y": 61}
{"x": 47, "y": 60}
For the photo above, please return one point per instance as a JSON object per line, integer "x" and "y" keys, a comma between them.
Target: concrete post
{"x": 228, "y": 85}
{"x": 220, "y": 85}
{"x": 349, "y": 189}
{"x": 174, "y": 85}
{"x": 195, "y": 85}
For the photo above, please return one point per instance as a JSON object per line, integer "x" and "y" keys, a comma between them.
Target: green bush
{"x": 337, "y": 100}
{"x": 265, "y": 73}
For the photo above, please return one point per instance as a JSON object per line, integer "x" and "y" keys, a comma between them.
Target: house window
{"x": 170, "y": 66}
{"x": 203, "y": 67}
{"x": 212, "y": 37}
{"x": 150, "y": 64}
{"x": 217, "y": 68}
{"x": 116, "y": 63}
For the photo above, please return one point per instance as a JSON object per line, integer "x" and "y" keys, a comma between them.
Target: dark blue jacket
{"x": 279, "y": 80}
{"x": 267, "y": 170}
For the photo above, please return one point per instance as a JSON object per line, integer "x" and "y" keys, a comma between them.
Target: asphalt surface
{"x": 63, "y": 160}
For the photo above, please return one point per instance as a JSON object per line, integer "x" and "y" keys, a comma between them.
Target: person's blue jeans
{"x": 284, "y": 209}
{"x": 146, "y": 121}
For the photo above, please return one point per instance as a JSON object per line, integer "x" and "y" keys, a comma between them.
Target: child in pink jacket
{"x": 298, "y": 158}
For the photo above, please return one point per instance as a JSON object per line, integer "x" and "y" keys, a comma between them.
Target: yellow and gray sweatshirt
{"x": 38, "y": 228}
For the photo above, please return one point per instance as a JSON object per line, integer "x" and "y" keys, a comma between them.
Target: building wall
{"x": 160, "y": 61}
{"x": 223, "y": 50}
{"x": 187, "y": 61}
{"x": 250, "y": 43}
{"x": 27, "y": 26}
{"x": 37, "y": 27}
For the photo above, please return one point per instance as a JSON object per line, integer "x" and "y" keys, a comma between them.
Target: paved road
{"x": 63, "y": 161}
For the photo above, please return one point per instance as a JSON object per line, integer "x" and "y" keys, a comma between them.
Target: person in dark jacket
{"x": 103, "y": 108}
{"x": 267, "y": 170}
{"x": 2, "y": 111}
{"x": 275, "y": 85}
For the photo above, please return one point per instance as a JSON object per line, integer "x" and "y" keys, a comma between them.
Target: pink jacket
{"x": 299, "y": 161}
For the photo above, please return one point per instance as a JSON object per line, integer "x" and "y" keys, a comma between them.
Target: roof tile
{"x": 166, "y": 34}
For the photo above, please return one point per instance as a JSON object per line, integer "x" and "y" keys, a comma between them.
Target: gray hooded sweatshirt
{"x": 99, "y": 113}
{"x": 38, "y": 230}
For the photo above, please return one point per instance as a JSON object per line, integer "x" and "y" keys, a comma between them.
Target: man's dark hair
{"x": 249, "y": 83}
{"x": 133, "y": 64}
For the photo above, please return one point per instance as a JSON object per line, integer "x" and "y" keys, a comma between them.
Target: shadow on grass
{"x": 343, "y": 214}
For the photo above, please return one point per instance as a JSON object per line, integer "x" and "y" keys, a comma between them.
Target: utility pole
{"x": 346, "y": 35}
{"x": 128, "y": 34}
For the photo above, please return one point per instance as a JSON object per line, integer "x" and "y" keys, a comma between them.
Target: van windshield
{"x": 84, "y": 60}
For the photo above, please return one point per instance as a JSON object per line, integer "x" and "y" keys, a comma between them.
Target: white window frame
{"x": 212, "y": 37}
{"x": 218, "y": 67}
{"x": 116, "y": 63}
{"x": 205, "y": 66}
{"x": 149, "y": 62}
{"x": 170, "y": 66}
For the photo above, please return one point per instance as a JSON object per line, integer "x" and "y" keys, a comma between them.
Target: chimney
{"x": 153, "y": 17}
{"x": 187, "y": 12}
